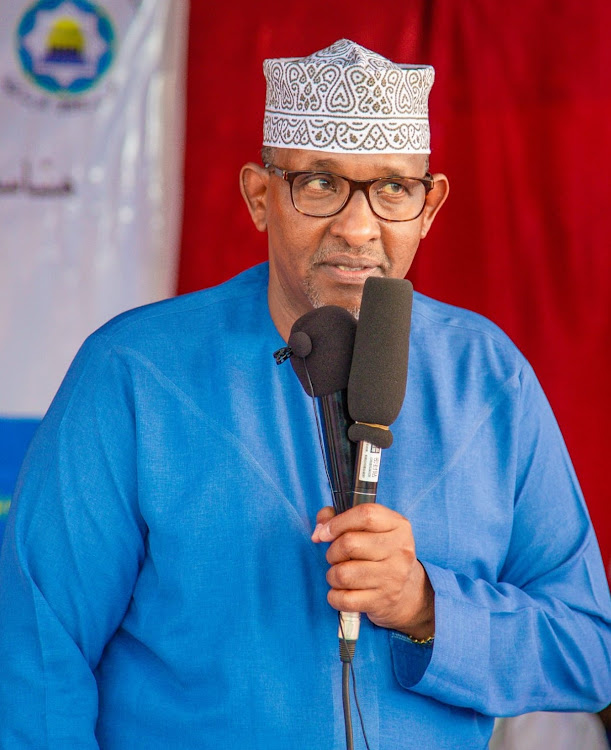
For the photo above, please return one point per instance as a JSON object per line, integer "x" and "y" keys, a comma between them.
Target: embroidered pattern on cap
{"x": 347, "y": 99}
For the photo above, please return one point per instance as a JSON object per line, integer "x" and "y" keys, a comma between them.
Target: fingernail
{"x": 324, "y": 533}
{"x": 316, "y": 533}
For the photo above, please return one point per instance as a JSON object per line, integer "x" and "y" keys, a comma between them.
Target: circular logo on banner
{"x": 65, "y": 46}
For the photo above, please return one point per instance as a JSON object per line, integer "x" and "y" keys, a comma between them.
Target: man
{"x": 168, "y": 560}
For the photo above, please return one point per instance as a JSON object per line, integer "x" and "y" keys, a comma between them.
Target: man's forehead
{"x": 351, "y": 165}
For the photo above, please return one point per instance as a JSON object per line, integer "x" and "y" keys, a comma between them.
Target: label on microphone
{"x": 369, "y": 469}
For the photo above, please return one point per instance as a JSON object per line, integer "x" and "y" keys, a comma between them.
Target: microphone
{"x": 378, "y": 375}
{"x": 321, "y": 343}
{"x": 320, "y": 347}
{"x": 376, "y": 390}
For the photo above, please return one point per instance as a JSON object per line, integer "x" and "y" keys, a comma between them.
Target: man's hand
{"x": 374, "y": 568}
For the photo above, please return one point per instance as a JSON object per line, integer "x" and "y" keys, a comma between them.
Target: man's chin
{"x": 350, "y": 300}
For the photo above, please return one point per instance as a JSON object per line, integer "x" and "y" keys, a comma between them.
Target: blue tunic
{"x": 158, "y": 585}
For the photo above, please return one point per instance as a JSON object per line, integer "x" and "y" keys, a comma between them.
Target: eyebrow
{"x": 323, "y": 164}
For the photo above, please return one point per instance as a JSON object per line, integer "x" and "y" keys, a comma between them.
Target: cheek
{"x": 292, "y": 242}
{"x": 285, "y": 246}
{"x": 401, "y": 249}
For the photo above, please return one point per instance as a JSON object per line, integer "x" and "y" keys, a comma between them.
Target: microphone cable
{"x": 321, "y": 441}
{"x": 346, "y": 647}
{"x": 346, "y": 656}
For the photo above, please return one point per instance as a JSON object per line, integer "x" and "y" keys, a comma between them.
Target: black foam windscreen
{"x": 378, "y": 376}
{"x": 331, "y": 331}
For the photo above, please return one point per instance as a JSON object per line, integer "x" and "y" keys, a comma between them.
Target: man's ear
{"x": 254, "y": 181}
{"x": 434, "y": 201}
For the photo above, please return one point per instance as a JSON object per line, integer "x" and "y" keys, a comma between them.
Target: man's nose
{"x": 356, "y": 223}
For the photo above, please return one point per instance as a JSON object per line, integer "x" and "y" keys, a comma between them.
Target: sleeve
{"x": 70, "y": 557}
{"x": 538, "y": 637}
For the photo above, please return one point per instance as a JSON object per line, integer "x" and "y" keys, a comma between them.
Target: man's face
{"x": 325, "y": 261}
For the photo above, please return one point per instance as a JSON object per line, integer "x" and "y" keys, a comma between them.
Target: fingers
{"x": 386, "y": 577}
{"x": 375, "y": 588}
{"x": 374, "y": 568}
{"x": 362, "y": 545}
{"x": 354, "y": 586}
{"x": 368, "y": 517}
{"x": 323, "y": 517}
{"x": 354, "y": 575}
{"x": 351, "y": 601}
{"x": 391, "y": 596}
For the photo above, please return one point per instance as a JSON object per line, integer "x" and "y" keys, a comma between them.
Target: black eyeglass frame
{"x": 354, "y": 185}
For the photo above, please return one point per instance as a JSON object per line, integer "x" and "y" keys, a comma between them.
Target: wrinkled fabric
{"x": 158, "y": 584}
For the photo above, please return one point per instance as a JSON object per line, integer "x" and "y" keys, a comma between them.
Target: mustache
{"x": 373, "y": 255}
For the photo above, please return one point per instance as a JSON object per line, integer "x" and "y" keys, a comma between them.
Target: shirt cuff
{"x": 410, "y": 660}
{"x": 457, "y": 667}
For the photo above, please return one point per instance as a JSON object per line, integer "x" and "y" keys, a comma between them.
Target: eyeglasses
{"x": 323, "y": 194}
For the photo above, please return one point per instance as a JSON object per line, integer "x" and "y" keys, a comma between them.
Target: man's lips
{"x": 350, "y": 261}
{"x": 350, "y": 269}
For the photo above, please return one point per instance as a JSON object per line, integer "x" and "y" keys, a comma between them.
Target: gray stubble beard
{"x": 314, "y": 297}
{"x": 320, "y": 256}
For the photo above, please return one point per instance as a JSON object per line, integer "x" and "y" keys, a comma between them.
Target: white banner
{"x": 91, "y": 150}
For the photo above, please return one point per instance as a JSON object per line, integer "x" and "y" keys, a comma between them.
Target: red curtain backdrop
{"x": 520, "y": 112}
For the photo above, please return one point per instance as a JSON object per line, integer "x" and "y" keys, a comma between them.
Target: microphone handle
{"x": 339, "y": 450}
{"x": 366, "y": 473}
{"x": 365, "y": 489}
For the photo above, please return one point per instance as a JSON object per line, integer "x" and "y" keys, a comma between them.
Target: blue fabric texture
{"x": 159, "y": 588}
{"x": 15, "y": 436}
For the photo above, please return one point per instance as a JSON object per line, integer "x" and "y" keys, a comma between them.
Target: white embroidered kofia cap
{"x": 347, "y": 99}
